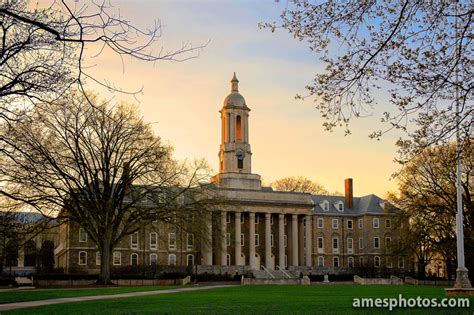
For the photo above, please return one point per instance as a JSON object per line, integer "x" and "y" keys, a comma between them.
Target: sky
{"x": 182, "y": 99}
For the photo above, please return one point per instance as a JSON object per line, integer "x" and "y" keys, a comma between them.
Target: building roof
{"x": 234, "y": 98}
{"x": 370, "y": 204}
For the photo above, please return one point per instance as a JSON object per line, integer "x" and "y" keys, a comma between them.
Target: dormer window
{"x": 339, "y": 206}
{"x": 324, "y": 205}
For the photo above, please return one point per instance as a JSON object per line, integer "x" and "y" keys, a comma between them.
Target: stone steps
{"x": 23, "y": 281}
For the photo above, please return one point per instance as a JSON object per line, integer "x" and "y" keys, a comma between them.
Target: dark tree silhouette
{"x": 418, "y": 52}
{"x": 102, "y": 167}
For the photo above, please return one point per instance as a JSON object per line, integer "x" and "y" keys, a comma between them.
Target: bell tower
{"x": 235, "y": 155}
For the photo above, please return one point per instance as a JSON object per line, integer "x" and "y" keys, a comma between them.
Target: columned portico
{"x": 294, "y": 240}
{"x": 252, "y": 259}
{"x": 238, "y": 248}
{"x": 268, "y": 245}
{"x": 281, "y": 240}
{"x": 223, "y": 238}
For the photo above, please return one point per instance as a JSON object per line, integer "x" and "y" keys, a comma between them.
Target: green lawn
{"x": 315, "y": 299}
{"x": 34, "y": 295}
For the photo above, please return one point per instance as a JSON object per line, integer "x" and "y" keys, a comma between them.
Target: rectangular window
{"x": 349, "y": 224}
{"x": 256, "y": 218}
{"x": 375, "y": 223}
{"x": 153, "y": 240}
{"x": 82, "y": 235}
{"x": 82, "y": 258}
{"x": 388, "y": 241}
{"x": 97, "y": 258}
{"x": 335, "y": 244}
{"x": 271, "y": 240}
{"x": 227, "y": 239}
{"x": 350, "y": 246}
{"x": 227, "y": 259}
{"x": 117, "y": 258}
{"x": 320, "y": 223}
{"x": 171, "y": 241}
{"x": 361, "y": 223}
{"x": 388, "y": 223}
{"x": 285, "y": 240}
{"x": 242, "y": 218}
{"x": 334, "y": 223}
{"x": 320, "y": 243}
{"x": 271, "y": 219}
{"x": 134, "y": 259}
{"x": 189, "y": 241}
{"x": 257, "y": 240}
{"x": 376, "y": 243}
{"x": 134, "y": 240}
{"x": 227, "y": 217}
{"x": 335, "y": 261}
{"x": 242, "y": 239}
{"x": 361, "y": 243}
{"x": 401, "y": 262}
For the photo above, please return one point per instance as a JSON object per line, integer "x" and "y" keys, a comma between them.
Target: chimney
{"x": 349, "y": 193}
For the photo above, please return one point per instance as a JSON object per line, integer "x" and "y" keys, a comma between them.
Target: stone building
{"x": 259, "y": 228}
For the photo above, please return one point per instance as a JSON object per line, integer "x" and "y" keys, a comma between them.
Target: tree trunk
{"x": 105, "y": 263}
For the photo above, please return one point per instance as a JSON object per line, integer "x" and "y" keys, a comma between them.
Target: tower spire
{"x": 234, "y": 84}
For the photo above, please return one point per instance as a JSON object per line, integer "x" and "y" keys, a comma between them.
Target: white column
{"x": 21, "y": 257}
{"x": 268, "y": 244}
{"x": 309, "y": 240}
{"x": 223, "y": 238}
{"x": 301, "y": 240}
{"x": 247, "y": 128}
{"x": 252, "y": 241}
{"x": 294, "y": 240}
{"x": 207, "y": 242}
{"x": 238, "y": 248}
{"x": 281, "y": 240}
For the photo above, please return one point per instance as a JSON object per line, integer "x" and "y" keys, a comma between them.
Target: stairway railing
{"x": 267, "y": 271}
{"x": 284, "y": 272}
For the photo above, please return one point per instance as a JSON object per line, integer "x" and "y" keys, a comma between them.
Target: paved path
{"x": 12, "y": 306}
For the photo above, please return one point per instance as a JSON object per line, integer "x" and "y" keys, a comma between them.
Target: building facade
{"x": 258, "y": 228}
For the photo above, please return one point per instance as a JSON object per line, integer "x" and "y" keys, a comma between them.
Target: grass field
{"x": 315, "y": 299}
{"x": 34, "y": 295}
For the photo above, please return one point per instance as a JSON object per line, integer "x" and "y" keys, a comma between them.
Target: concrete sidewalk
{"x": 12, "y": 306}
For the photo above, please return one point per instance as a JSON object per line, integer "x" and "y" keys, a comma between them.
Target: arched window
{"x": 153, "y": 259}
{"x": 30, "y": 254}
{"x": 238, "y": 127}
{"x": 190, "y": 260}
{"x": 11, "y": 253}
{"x": 351, "y": 262}
{"x": 134, "y": 259}
{"x": 82, "y": 258}
{"x": 172, "y": 260}
{"x": 377, "y": 261}
{"x": 240, "y": 160}
{"x": 321, "y": 261}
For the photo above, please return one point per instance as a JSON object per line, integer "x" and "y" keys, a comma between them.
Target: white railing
{"x": 284, "y": 272}
{"x": 267, "y": 271}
